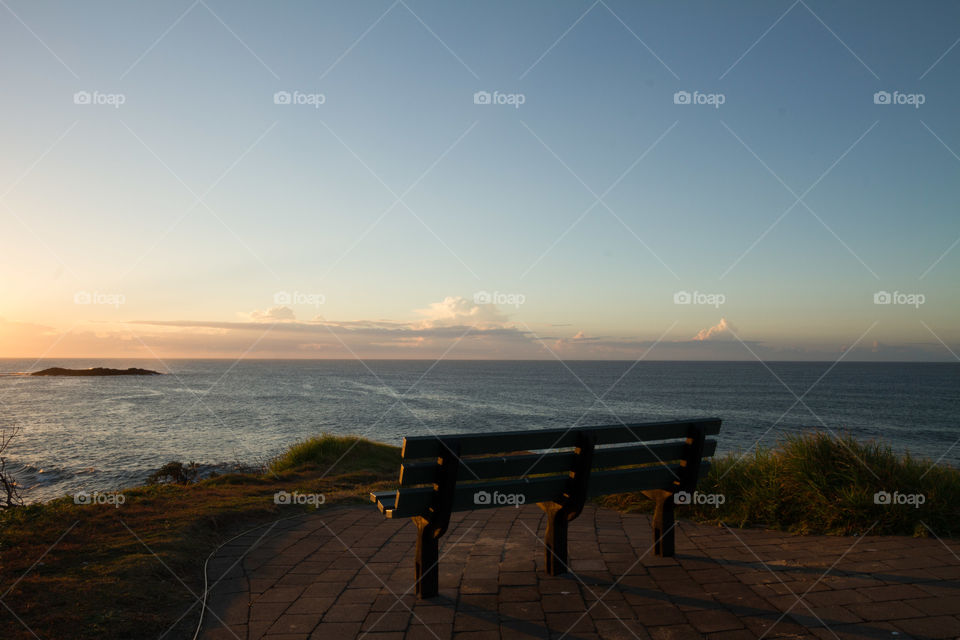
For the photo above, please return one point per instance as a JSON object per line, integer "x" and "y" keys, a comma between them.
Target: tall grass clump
{"x": 819, "y": 483}
{"x": 337, "y": 455}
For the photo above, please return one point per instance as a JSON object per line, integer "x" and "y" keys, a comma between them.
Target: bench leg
{"x": 555, "y": 539}
{"x": 663, "y": 527}
{"x": 425, "y": 564}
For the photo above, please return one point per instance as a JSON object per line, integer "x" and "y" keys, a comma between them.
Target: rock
{"x": 95, "y": 371}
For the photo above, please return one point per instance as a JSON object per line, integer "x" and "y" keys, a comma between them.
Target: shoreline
{"x": 740, "y": 468}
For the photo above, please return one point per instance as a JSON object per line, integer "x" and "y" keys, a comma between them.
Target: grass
{"x": 819, "y": 484}
{"x": 348, "y": 453}
{"x": 117, "y": 572}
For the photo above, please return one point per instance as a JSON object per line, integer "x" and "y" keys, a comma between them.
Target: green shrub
{"x": 175, "y": 473}
{"x": 818, "y": 483}
{"x": 338, "y": 455}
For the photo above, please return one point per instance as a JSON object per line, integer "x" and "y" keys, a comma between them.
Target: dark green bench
{"x": 556, "y": 468}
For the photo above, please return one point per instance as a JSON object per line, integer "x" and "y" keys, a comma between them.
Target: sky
{"x": 575, "y": 180}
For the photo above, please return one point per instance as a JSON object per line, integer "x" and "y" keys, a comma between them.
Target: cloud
{"x": 722, "y": 329}
{"x": 30, "y": 340}
{"x": 273, "y": 314}
{"x": 454, "y": 327}
{"x": 458, "y": 311}
{"x": 579, "y": 338}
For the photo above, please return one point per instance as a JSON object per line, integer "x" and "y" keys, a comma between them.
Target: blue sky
{"x": 189, "y": 209}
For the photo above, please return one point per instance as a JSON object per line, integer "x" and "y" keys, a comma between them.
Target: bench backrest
{"x": 485, "y": 470}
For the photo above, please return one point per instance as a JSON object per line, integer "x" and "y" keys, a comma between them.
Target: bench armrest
{"x": 385, "y": 501}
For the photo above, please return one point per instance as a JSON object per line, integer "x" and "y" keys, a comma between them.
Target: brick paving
{"x": 348, "y": 573}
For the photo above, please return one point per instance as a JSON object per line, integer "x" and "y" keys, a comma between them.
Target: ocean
{"x": 104, "y": 433}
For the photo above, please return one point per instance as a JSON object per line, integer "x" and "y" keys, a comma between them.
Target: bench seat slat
{"x": 412, "y": 502}
{"x": 415, "y": 501}
{"x": 423, "y": 472}
{"x": 484, "y": 443}
{"x": 604, "y": 483}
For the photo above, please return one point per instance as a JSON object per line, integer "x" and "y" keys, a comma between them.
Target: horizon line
{"x": 274, "y": 359}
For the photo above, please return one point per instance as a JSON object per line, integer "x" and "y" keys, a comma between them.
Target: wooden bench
{"x": 556, "y": 468}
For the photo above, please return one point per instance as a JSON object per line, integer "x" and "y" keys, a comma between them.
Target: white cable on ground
{"x": 203, "y": 602}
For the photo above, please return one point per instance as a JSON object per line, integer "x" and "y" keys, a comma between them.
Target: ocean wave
{"x": 39, "y": 484}
{"x": 29, "y": 475}
{"x": 147, "y": 394}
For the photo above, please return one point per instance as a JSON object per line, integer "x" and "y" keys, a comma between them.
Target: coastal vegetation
{"x": 818, "y": 483}
{"x": 129, "y": 564}
{"x": 9, "y": 489}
